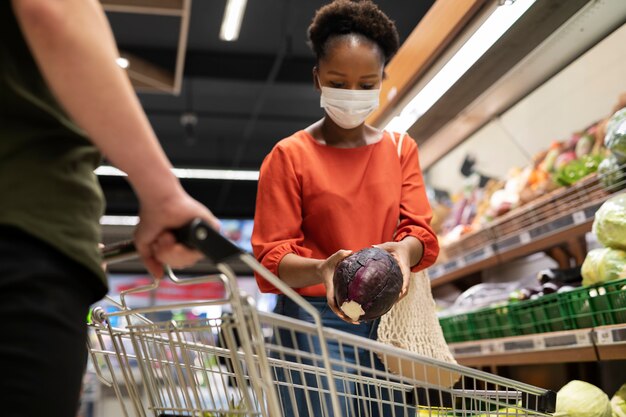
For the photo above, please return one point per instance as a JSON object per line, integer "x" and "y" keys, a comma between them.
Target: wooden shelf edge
{"x": 586, "y": 354}
{"x": 588, "y": 345}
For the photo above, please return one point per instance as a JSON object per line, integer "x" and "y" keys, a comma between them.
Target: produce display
{"x": 609, "y": 226}
{"x": 599, "y": 148}
{"x": 367, "y": 284}
{"x": 549, "y": 281}
{"x": 602, "y": 265}
{"x": 610, "y": 223}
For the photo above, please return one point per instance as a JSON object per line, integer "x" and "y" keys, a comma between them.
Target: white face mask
{"x": 349, "y": 108}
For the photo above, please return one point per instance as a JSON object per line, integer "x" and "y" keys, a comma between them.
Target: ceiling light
{"x": 122, "y": 62}
{"x": 231, "y": 24}
{"x": 188, "y": 173}
{"x": 484, "y": 38}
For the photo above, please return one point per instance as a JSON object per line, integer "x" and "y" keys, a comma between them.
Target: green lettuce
{"x": 618, "y": 402}
{"x": 609, "y": 224}
{"x": 581, "y": 399}
{"x": 603, "y": 265}
{"x": 615, "y": 139}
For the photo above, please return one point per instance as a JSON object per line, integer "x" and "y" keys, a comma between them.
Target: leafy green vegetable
{"x": 610, "y": 222}
{"x": 581, "y": 399}
{"x": 577, "y": 169}
{"x": 603, "y": 265}
{"x": 615, "y": 139}
{"x": 612, "y": 176}
{"x": 618, "y": 402}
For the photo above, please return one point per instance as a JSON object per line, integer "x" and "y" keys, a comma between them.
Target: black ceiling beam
{"x": 249, "y": 67}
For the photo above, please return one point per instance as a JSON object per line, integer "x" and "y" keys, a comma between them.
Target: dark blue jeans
{"x": 356, "y": 399}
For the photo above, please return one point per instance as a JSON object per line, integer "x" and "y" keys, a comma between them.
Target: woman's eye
{"x": 334, "y": 84}
{"x": 367, "y": 86}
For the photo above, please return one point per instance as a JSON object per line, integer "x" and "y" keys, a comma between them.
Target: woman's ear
{"x": 316, "y": 79}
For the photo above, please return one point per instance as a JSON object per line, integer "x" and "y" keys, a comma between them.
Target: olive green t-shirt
{"x": 47, "y": 184}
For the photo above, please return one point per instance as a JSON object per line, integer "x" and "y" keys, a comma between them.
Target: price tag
{"x": 488, "y": 253}
{"x": 524, "y": 237}
{"x": 579, "y": 217}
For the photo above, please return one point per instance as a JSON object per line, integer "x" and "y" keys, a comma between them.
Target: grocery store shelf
{"x": 611, "y": 342}
{"x": 585, "y": 345}
{"x": 537, "y": 237}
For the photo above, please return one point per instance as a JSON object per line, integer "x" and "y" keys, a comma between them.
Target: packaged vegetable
{"x": 612, "y": 176}
{"x": 577, "y": 169}
{"x": 581, "y": 399}
{"x": 615, "y": 139}
{"x": 609, "y": 225}
{"x": 618, "y": 402}
{"x": 602, "y": 265}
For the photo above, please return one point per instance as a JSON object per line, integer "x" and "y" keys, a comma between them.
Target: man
{"x": 63, "y": 100}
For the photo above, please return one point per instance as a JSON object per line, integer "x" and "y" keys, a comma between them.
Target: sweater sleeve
{"x": 415, "y": 211}
{"x": 277, "y": 219}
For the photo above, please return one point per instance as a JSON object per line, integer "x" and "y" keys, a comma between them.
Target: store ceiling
{"x": 246, "y": 95}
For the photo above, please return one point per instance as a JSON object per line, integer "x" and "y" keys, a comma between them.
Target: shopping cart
{"x": 246, "y": 362}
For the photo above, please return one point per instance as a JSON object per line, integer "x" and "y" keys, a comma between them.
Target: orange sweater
{"x": 314, "y": 199}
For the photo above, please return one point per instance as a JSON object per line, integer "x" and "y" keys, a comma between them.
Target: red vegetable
{"x": 367, "y": 284}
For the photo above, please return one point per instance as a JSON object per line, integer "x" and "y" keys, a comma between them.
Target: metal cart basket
{"x": 251, "y": 363}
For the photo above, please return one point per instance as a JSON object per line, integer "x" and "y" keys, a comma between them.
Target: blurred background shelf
{"x": 559, "y": 219}
{"x": 584, "y": 345}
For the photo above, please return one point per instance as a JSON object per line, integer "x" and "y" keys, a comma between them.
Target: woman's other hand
{"x": 326, "y": 271}
{"x": 402, "y": 254}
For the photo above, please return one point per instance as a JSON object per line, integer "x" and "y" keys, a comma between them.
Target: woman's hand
{"x": 402, "y": 254}
{"x": 325, "y": 271}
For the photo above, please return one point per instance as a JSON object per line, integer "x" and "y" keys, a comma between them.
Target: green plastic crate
{"x": 598, "y": 305}
{"x": 544, "y": 314}
{"x": 577, "y": 309}
{"x": 491, "y": 323}
{"x": 457, "y": 328}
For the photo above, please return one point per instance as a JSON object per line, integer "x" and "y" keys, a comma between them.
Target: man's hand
{"x": 154, "y": 241}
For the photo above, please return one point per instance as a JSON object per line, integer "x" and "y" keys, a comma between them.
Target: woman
{"x": 341, "y": 185}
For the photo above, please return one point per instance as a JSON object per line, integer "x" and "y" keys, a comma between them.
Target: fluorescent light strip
{"x": 188, "y": 173}
{"x": 231, "y": 24}
{"x": 119, "y": 220}
{"x": 484, "y": 38}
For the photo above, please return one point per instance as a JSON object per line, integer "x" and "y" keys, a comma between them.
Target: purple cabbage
{"x": 367, "y": 284}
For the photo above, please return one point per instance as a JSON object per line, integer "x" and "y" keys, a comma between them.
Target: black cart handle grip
{"x": 196, "y": 234}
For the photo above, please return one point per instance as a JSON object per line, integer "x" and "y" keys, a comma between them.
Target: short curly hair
{"x": 344, "y": 17}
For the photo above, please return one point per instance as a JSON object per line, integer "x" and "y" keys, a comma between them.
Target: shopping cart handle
{"x": 200, "y": 236}
{"x": 197, "y": 234}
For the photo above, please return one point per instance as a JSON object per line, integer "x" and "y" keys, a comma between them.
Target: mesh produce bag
{"x": 412, "y": 325}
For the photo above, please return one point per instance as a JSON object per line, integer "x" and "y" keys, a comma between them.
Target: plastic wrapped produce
{"x": 603, "y": 265}
{"x": 612, "y": 176}
{"x": 609, "y": 225}
{"x": 615, "y": 139}
{"x": 581, "y": 399}
{"x": 618, "y": 402}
